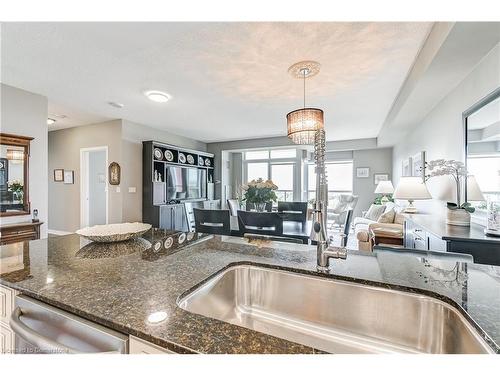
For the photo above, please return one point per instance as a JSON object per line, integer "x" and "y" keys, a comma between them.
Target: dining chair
{"x": 251, "y": 206}
{"x": 293, "y": 211}
{"x": 265, "y": 223}
{"x": 212, "y": 221}
{"x": 234, "y": 206}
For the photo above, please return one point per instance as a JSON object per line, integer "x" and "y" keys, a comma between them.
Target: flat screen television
{"x": 186, "y": 183}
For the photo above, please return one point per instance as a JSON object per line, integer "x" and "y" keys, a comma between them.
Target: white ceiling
{"x": 228, "y": 80}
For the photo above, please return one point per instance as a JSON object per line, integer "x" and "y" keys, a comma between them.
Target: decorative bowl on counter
{"x": 114, "y": 232}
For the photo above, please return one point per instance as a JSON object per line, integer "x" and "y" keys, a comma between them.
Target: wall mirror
{"x": 14, "y": 175}
{"x": 482, "y": 152}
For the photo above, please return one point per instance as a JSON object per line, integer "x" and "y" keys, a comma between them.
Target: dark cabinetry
{"x": 428, "y": 232}
{"x": 163, "y": 201}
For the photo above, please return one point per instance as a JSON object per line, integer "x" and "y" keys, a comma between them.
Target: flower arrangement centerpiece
{"x": 16, "y": 187}
{"x": 458, "y": 212}
{"x": 260, "y": 192}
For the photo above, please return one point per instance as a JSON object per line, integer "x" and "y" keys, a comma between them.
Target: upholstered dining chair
{"x": 234, "y": 206}
{"x": 212, "y": 221}
{"x": 293, "y": 211}
{"x": 264, "y": 223}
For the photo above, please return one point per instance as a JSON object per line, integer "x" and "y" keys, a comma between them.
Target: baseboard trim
{"x": 58, "y": 232}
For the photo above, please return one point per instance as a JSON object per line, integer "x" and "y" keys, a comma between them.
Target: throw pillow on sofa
{"x": 387, "y": 217}
{"x": 375, "y": 211}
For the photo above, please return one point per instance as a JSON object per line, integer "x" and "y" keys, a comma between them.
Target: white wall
{"x": 440, "y": 133}
{"x": 379, "y": 160}
{"x": 25, "y": 113}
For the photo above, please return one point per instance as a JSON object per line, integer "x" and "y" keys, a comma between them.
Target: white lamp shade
{"x": 473, "y": 191}
{"x": 411, "y": 188}
{"x": 384, "y": 187}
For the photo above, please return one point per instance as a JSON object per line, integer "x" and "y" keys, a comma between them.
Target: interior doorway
{"x": 93, "y": 186}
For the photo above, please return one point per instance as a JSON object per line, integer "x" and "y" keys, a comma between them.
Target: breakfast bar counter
{"x": 122, "y": 285}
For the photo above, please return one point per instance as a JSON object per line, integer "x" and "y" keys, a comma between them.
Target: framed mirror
{"x": 482, "y": 154}
{"x": 14, "y": 175}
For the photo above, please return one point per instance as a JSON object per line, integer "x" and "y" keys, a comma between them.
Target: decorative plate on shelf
{"x": 114, "y": 232}
{"x": 168, "y": 243}
{"x": 158, "y": 154}
{"x": 182, "y": 158}
{"x": 201, "y": 161}
{"x": 190, "y": 159}
{"x": 169, "y": 156}
{"x": 207, "y": 162}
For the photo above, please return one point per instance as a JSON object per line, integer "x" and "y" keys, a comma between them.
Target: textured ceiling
{"x": 228, "y": 80}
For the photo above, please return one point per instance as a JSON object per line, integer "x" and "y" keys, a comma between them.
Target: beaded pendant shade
{"x": 303, "y": 123}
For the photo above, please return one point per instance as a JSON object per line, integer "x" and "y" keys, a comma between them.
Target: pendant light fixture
{"x": 303, "y": 123}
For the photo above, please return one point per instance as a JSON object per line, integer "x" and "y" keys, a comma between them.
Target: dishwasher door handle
{"x": 39, "y": 341}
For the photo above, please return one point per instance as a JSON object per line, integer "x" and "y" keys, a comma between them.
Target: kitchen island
{"x": 121, "y": 286}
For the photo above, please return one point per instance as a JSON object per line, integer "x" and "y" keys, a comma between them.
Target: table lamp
{"x": 411, "y": 189}
{"x": 384, "y": 188}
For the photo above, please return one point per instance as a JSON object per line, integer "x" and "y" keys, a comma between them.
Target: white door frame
{"x": 84, "y": 158}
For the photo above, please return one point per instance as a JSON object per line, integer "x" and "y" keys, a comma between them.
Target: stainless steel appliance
{"x": 43, "y": 329}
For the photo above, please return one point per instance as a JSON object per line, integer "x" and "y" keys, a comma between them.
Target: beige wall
{"x": 25, "y": 113}
{"x": 64, "y": 152}
{"x": 124, "y": 141}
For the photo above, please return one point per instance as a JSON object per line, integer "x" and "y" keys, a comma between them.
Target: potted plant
{"x": 457, "y": 213}
{"x": 260, "y": 192}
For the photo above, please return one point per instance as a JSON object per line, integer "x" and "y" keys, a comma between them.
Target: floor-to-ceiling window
{"x": 279, "y": 165}
{"x": 340, "y": 178}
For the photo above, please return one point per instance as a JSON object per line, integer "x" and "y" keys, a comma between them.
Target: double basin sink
{"x": 333, "y": 316}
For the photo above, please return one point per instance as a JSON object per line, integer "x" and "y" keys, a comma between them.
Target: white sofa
{"x": 364, "y": 228}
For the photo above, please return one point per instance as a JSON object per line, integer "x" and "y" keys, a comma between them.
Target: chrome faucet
{"x": 318, "y": 232}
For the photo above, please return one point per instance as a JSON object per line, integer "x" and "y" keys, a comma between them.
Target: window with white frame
{"x": 340, "y": 178}
{"x": 279, "y": 165}
{"x": 486, "y": 169}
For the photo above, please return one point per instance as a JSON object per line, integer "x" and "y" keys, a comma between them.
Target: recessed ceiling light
{"x": 50, "y": 121}
{"x": 116, "y": 104}
{"x": 157, "y": 96}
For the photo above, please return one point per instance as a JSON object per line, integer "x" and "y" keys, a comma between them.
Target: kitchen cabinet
{"x": 430, "y": 232}
{"x": 173, "y": 217}
{"x": 139, "y": 346}
{"x": 7, "y": 296}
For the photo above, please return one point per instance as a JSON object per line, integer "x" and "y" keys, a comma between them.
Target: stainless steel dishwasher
{"x": 43, "y": 329}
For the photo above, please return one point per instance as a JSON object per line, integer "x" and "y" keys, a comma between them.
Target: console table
{"x": 430, "y": 232}
{"x": 18, "y": 232}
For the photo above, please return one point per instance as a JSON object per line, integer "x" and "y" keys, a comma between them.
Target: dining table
{"x": 291, "y": 229}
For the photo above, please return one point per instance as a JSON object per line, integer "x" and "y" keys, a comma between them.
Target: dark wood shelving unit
{"x": 156, "y": 209}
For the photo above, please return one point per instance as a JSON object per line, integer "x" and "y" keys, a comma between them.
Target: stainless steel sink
{"x": 334, "y": 316}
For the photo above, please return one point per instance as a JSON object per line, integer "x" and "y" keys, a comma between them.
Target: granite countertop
{"x": 121, "y": 285}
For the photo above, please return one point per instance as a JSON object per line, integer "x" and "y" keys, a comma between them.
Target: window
{"x": 282, "y": 176}
{"x": 486, "y": 169}
{"x": 283, "y": 154}
{"x": 278, "y": 165}
{"x": 256, "y": 155}
{"x": 257, "y": 170}
{"x": 340, "y": 177}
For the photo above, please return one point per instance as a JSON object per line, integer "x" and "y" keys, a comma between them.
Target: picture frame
{"x": 362, "y": 172}
{"x": 69, "y": 177}
{"x": 58, "y": 175}
{"x": 406, "y": 168}
{"x": 114, "y": 173}
{"x": 377, "y": 177}
{"x": 418, "y": 165}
